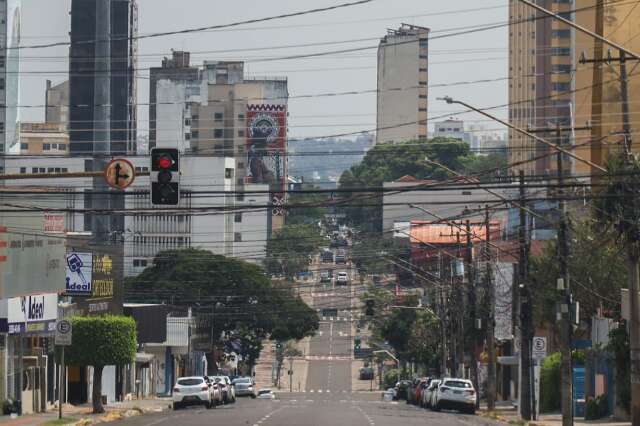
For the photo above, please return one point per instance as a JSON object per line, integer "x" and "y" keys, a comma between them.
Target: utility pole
{"x": 472, "y": 307}
{"x": 564, "y": 302}
{"x": 491, "y": 348}
{"x": 526, "y": 323}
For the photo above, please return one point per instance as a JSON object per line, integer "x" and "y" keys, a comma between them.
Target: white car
{"x": 191, "y": 391}
{"x": 266, "y": 394}
{"x": 342, "y": 279}
{"x": 227, "y": 389}
{"x": 216, "y": 392}
{"x": 457, "y": 394}
{"x": 429, "y": 393}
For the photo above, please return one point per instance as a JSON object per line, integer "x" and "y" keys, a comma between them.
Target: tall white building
{"x": 10, "y": 22}
{"x": 402, "y": 85}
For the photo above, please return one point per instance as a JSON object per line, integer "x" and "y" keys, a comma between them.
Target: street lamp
{"x": 450, "y": 100}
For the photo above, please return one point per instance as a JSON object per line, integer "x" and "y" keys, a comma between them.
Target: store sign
{"x": 53, "y": 223}
{"x": 78, "y": 274}
{"x": 36, "y": 313}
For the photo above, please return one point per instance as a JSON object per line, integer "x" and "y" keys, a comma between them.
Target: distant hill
{"x": 322, "y": 161}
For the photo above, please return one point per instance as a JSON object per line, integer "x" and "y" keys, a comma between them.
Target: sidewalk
{"x": 75, "y": 414}
{"x": 510, "y": 416}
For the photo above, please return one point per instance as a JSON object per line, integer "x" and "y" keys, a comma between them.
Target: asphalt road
{"x": 309, "y": 410}
{"x": 328, "y": 398}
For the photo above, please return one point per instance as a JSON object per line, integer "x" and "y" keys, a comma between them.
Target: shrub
{"x": 596, "y": 408}
{"x": 550, "y": 383}
{"x": 390, "y": 378}
{"x": 8, "y": 407}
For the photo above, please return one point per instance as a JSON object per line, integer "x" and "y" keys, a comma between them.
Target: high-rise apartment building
{"x": 122, "y": 78}
{"x": 57, "y": 104}
{"x": 549, "y": 86}
{"x": 9, "y": 76}
{"x": 541, "y": 65}
{"x": 177, "y": 68}
{"x": 402, "y": 85}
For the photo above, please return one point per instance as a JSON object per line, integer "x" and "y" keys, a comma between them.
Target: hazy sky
{"x": 480, "y": 55}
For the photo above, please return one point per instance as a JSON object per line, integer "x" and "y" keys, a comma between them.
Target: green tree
{"x": 290, "y": 248}
{"x": 479, "y": 164}
{"x": 592, "y": 253}
{"x": 388, "y": 162}
{"x": 308, "y": 207}
{"x": 100, "y": 341}
{"x": 238, "y": 295}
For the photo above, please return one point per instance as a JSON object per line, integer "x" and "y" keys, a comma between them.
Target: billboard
{"x": 79, "y": 269}
{"x": 32, "y": 314}
{"x": 267, "y": 149}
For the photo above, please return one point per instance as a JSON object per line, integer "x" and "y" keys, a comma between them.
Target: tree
{"x": 479, "y": 164}
{"x": 100, "y": 341}
{"x": 618, "y": 208}
{"x": 388, "y": 162}
{"x": 290, "y": 248}
{"x": 303, "y": 214}
{"x": 236, "y": 296}
{"x": 592, "y": 254}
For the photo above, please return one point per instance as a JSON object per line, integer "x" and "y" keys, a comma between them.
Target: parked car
{"x": 366, "y": 373}
{"x": 401, "y": 389}
{"x": 342, "y": 279}
{"x": 216, "y": 393}
{"x": 429, "y": 393}
{"x": 420, "y": 389}
{"x": 266, "y": 394}
{"x": 244, "y": 386}
{"x": 412, "y": 391}
{"x": 325, "y": 276}
{"x": 327, "y": 256}
{"x": 191, "y": 391}
{"x": 457, "y": 394}
{"x": 226, "y": 388}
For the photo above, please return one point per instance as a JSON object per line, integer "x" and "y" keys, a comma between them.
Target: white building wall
{"x": 444, "y": 203}
{"x": 146, "y": 235}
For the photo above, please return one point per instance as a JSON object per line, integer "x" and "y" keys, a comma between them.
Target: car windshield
{"x": 190, "y": 382}
{"x": 457, "y": 384}
{"x": 242, "y": 380}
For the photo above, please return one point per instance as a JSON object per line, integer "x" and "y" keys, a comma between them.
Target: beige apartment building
{"x": 402, "y": 85}
{"x": 43, "y": 139}
{"x": 549, "y": 86}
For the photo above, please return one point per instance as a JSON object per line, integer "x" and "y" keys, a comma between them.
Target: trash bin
{"x": 578, "y": 407}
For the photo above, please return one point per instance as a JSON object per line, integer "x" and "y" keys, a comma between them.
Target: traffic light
{"x": 165, "y": 176}
{"x": 370, "y": 304}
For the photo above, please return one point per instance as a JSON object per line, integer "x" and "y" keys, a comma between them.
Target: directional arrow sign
{"x": 119, "y": 173}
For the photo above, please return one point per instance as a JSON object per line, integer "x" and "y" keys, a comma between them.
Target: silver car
{"x": 245, "y": 386}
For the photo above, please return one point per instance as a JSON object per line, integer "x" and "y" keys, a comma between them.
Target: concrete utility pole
{"x": 565, "y": 323}
{"x": 472, "y": 307}
{"x": 102, "y": 116}
{"x": 491, "y": 348}
{"x": 526, "y": 323}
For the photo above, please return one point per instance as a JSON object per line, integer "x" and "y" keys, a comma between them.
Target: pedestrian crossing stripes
{"x": 332, "y": 319}
{"x": 327, "y": 358}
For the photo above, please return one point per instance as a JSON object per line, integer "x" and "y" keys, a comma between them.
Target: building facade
{"x": 10, "y": 27}
{"x": 452, "y": 129}
{"x": 57, "y": 104}
{"x": 43, "y": 139}
{"x": 122, "y": 78}
{"x": 175, "y": 69}
{"x": 402, "y": 85}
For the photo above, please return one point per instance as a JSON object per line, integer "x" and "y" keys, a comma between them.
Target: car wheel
{"x": 436, "y": 406}
{"x": 471, "y": 410}
{"x": 176, "y": 406}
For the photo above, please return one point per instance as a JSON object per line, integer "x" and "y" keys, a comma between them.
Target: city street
{"x": 310, "y": 409}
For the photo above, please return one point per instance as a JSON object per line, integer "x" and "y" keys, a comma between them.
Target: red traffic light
{"x": 165, "y": 162}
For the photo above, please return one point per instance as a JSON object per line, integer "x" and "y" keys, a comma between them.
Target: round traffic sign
{"x": 119, "y": 173}
{"x": 539, "y": 344}
{"x": 63, "y": 326}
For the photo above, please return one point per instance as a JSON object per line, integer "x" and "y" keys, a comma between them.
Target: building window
{"x": 237, "y": 218}
{"x": 2, "y": 62}
{"x": 561, "y": 33}
{"x": 240, "y": 182}
{"x": 237, "y": 237}
{"x": 561, "y": 68}
{"x": 23, "y": 170}
{"x": 1, "y": 83}
{"x": 422, "y": 83}
{"x": 228, "y": 173}
{"x": 195, "y": 117}
{"x": 241, "y": 165}
{"x": 34, "y": 170}
{"x": 187, "y": 121}
{"x": 240, "y": 133}
{"x": 187, "y": 136}
{"x": 561, "y": 51}
{"x": 561, "y": 87}
{"x": 1, "y": 126}
{"x": 240, "y": 196}
{"x": 140, "y": 263}
{"x": 240, "y": 117}
{"x": 24, "y": 146}
{"x": 46, "y": 146}
{"x": 218, "y": 116}
{"x": 422, "y": 110}
{"x": 195, "y": 134}
{"x": 218, "y": 133}
{"x": 422, "y": 96}
{"x": 422, "y": 69}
